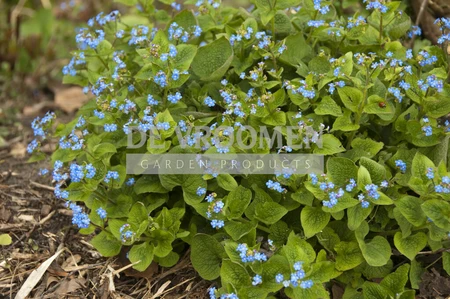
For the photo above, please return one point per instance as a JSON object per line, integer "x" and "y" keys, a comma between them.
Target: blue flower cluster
{"x": 111, "y": 175}
{"x": 378, "y": 5}
{"x": 250, "y": 255}
{"x": 139, "y": 35}
{"x": 303, "y": 89}
{"x": 444, "y": 25}
{"x": 424, "y": 58}
{"x": 256, "y": 280}
{"x": 275, "y": 186}
{"x": 323, "y": 9}
{"x": 126, "y": 234}
{"x": 427, "y": 129}
{"x": 212, "y": 295}
{"x": 355, "y": 22}
{"x": 334, "y": 193}
{"x": 40, "y": 130}
{"x": 295, "y": 279}
{"x": 443, "y": 186}
{"x": 208, "y": 101}
{"x": 79, "y": 218}
{"x": 396, "y": 92}
{"x": 415, "y": 31}
{"x": 101, "y": 213}
{"x": 201, "y": 191}
{"x": 214, "y": 4}
{"x": 86, "y": 38}
{"x": 400, "y": 165}
{"x": 177, "y": 32}
{"x": 102, "y": 19}
{"x": 332, "y": 86}
{"x": 215, "y": 207}
{"x": 70, "y": 68}
{"x": 432, "y": 82}
{"x": 242, "y": 33}
{"x": 174, "y": 98}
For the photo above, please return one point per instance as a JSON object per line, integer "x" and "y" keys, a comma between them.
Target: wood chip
{"x": 70, "y": 99}
{"x": 36, "y": 276}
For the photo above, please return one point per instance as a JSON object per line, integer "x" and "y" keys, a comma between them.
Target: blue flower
{"x": 175, "y": 74}
{"x": 307, "y": 284}
{"x": 257, "y": 279}
{"x": 76, "y": 172}
{"x": 415, "y": 31}
{"x": 404, "y": 85}
{"x": 316, "y": 23}
{"x": 32, "y": 146}
{"x": 212, "y": 293}
{"x": 409, "y": 54}
{"x": 174, "y": 98}
{"x": 197, "y": 31}
{"x": 160, "y": 79}
{"x": 111, "y": 175}
{"x": 396, "y": 92}
{"x": 151, "y": 100}
{"x": 209, "y": 102}
{"x": 217, "y": 223}
{"x": 163, "y": 126}
{"x": 314, "y": 178}
{"x": 279, "y": 278}
{"x": 201, "y": 191}
{"x": 275, "y": 186}
{"x": 90, "y": 171}
{"x": 79, "y": 218}
{"x": 99, "y": 114}
{"x": 323, "y": 9}
{"x": 101, "y": 213}
{"x": 430, "y": 173}
{"x": 172, "y": 51}
{"x": 376, "y": 5}
{"x": 351, "y": 186}
{"x": 120, "y": 33}
{"x": 130, "y": 182}
{"x": 250, "y": 256}
{"x": 139, "y": 34}
{"x": 428, "y": 130}
{"x": 110, "y": 127}
{"x": 401, "y": 165}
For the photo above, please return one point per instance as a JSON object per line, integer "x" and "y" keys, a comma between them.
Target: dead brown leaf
{"x": 71, "y": 261}
{"x": 18, "y": 150}
{"x": 37, "y": 109}
{"x": 50, "y": 280}
{"x": 70, "y": 99}
{"x": 69, "y": 286}
{"x": 4, "y": 214}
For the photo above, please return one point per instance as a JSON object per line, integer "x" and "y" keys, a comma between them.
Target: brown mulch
{"x": 40, "y": 225}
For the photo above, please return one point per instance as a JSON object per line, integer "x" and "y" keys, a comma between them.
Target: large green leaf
{"x": 206, "y": 256}
{"x": 341, "y": 170}
{"x": 313, "y": 220}
{"x": 348, "y": 256}
{"x": 234, "y": 273}
{"x": 213, "y": 60}
{"x": 410, "y": 245}
{"x": 237, "y": 201}
{"x": 143, "y": 253}
{"x": 106, "y": 244}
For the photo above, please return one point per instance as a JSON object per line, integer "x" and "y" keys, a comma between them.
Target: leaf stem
{"x": 360, "y": 108}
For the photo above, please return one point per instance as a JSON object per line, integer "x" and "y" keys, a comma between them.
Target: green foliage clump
{"x": 374, "y": 108}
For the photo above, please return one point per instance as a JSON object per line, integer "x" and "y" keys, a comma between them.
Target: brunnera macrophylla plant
{"x": 377, "y": 104}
